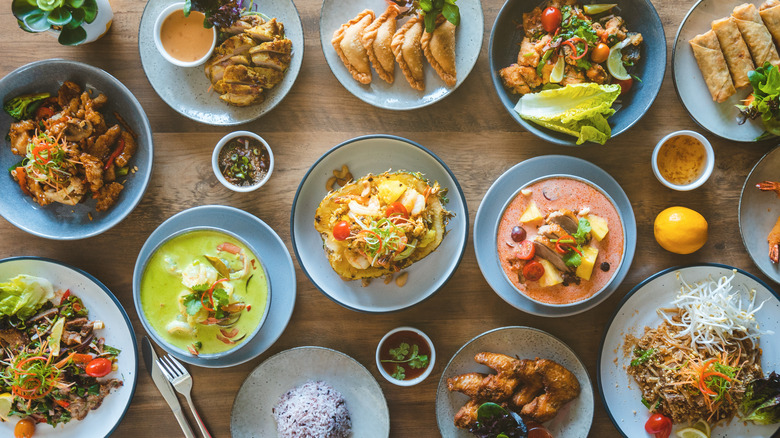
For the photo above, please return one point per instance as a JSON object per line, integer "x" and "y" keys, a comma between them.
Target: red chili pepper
{"x": 44, "y": 112}
{"x": 571, "y": 43}
{"x": 77, "y": 306}
{"x": 229, "y": 247}
{"x": 117, "y": 152}
{"x": 248, "y": 307}
{"x": 36, "y": 153}
{"x": 65, "y": 296}
{"x": 63, "y": 403}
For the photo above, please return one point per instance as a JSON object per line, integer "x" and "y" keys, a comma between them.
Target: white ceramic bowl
{"x": 709, "y": 165}
{"x": 417, "y": 379}
{"x": 158, "y": 42}
{"x": 218, "y": 172}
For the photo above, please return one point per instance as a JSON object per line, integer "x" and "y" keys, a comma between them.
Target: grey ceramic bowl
{"x": 640, "y": 16}
{"x": 140, "y": 268}
{"x": 66, "y": 222}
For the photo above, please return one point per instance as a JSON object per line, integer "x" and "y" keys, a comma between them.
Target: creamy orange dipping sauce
{"x": 681, "y": 160}
{"x": 573, "y": 195}
{"x": 185, "y": 38}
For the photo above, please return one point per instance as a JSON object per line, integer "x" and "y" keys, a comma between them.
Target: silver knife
{"x": 150, "y": 359}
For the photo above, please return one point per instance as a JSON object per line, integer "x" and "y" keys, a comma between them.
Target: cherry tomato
{"x": 533, "y": 271}
{"x": 659, "y": 425}
{"x": 600, "y": 53}
{"x": 551, "y": 19}
{"x": 98, "y": 367}
{"x": 525, "y": 250}
{"x": 341, "y": 230}
{"x": 24, "y": 428}
{"x": 396, "y": 209}
{"x": 625, "y": 86}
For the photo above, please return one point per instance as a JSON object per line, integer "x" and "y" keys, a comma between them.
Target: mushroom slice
{"x": 346, "y": 41}
{"x": 77, "y": 130}
{"x": 408, "y": 52}
{"x": 377, "y": 39}
{"x": 439, "y": 49}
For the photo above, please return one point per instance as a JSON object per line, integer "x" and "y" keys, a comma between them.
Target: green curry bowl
{"x": 201, "y": 291}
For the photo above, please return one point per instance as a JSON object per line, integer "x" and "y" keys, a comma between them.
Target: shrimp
{"x": 769, "y": 186}
{"x": 774, "y": 242}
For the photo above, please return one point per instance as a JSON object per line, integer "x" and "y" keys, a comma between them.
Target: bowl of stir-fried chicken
{"x": 78, "y": 151}
{"x": 518, "y": 37}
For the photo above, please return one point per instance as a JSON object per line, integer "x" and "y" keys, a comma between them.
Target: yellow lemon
{"x": 6, "y": 400}
{"x": 703, "y": 426}
{"x": 680, "y": 230}
{"x": 691, "y": 432}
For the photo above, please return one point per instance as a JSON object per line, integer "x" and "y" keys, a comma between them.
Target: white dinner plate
{"x": 188, "y": 91}
{"x": 400, "y": 95}
{"x": 268, "y": 246}
{"x": 721, "y": 119}
{"x": 252, "y": 414}
{"x": 118, "y": 333}
{"x": 619, "y": 392}
{"x": 376, "y": 154}
{"x": 759, "y": 211}
{"x": 573, "y": 420}
{"x": 505, "y": 188}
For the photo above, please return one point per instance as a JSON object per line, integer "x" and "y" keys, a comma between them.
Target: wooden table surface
{"x": 469, "y": 130}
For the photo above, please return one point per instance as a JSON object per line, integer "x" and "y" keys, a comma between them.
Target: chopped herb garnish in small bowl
{"x": 405, "y": 356}
{"x": 242, "y": 161}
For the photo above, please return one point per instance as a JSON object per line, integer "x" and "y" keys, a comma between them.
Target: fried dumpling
{"x": 377, "y": 39}
{"x": 346, "y": 41}
{"x": 439, "y": 49}
{"x": 408, "y": 52}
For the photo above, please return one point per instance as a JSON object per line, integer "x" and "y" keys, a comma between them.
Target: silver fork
{"x": 181, "y": 380}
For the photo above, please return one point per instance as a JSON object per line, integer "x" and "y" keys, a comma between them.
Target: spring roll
{"x": 706, "y": 50}
{"x": 734, "y": 50}
{"x": 770, "y": 13}
{"x": 755, "y": 34}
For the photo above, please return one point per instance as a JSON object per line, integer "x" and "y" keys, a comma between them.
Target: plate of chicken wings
{"x": 387, "y": 56}
{"x": 759, "y": 214}
{"x": 525, "y": 370}
{"x": 199, "y": 92}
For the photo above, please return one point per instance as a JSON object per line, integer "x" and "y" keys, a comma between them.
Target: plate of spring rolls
{"x": 718, "y": 44}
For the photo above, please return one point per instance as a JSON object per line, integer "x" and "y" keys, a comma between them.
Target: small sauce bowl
{"x": 195, "y": 19}
{"x": 215, "y": 161}
{"x": 703, "y": 160}
{"x": 392, "y": 340}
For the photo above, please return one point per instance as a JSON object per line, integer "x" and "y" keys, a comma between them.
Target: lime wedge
{"x": 703, "y": 426}
{"x": 556, "y": 76}
{"x": 691, "y": 432}
{"x": 615, "y": 62}
{"x": 56, "y": 337}
{"x": 6, "y": 400}
{"x": 598, "y": 8}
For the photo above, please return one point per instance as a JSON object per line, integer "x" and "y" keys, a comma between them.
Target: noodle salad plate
{"x": 649, "y": 359}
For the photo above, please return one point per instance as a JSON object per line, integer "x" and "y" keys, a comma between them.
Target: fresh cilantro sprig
{"x": 406, "y": 354}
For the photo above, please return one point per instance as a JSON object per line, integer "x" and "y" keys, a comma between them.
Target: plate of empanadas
{"x": 383, "y": 52}
{"x": 718, "y": 44}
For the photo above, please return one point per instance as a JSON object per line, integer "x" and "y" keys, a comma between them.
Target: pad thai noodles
{"x": 698, "y": 363}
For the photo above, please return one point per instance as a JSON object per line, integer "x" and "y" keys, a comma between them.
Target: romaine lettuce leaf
{"x": 580, "y": 110}
{"x": 761, "y": 403}
{"x": 23, "y": 295}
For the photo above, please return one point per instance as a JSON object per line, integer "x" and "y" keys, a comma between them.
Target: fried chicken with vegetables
{"x": 69, "y": 153}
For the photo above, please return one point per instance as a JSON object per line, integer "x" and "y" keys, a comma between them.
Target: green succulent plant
{"x": 67, "y": 16}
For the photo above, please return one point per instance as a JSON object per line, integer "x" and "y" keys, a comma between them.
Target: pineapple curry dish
{"x": 381, "y": 224}
{"x": 560, "y": 240}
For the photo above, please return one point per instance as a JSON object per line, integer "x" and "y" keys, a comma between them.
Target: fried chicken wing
{"x": 466, "y": 417}
{"x": 468, "y": 384}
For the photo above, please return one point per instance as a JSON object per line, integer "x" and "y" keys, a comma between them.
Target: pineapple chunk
{"x": 598, "y": 226}
{"x": 531, "y": 214}
{"x": 551, "y": 275}
{"x": 390, "y": 191}
{"x": 427, "y": 238}
{"x": 585, "y": 269}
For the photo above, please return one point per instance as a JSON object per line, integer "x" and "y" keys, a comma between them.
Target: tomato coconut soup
{"x": 560, "y": 240}
{"x": 204, "y": 291}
